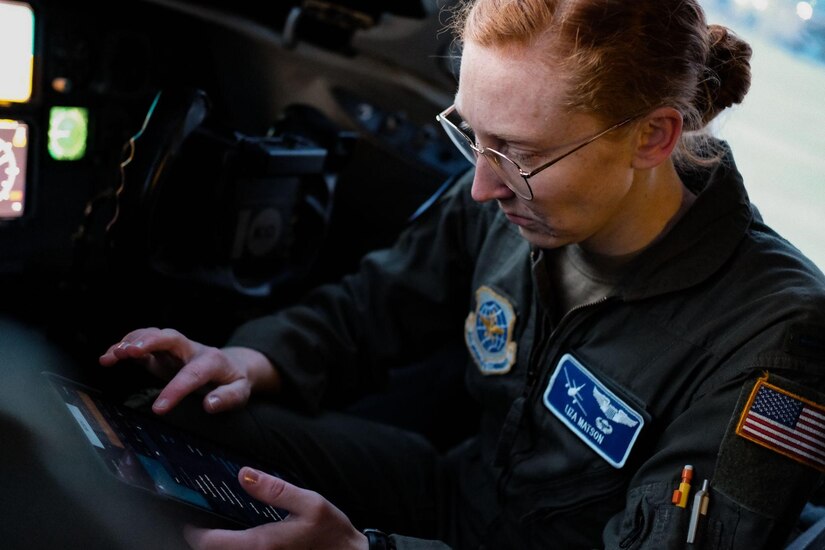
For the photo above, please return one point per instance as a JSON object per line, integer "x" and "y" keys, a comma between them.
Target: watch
{"x": 378, "y": 540}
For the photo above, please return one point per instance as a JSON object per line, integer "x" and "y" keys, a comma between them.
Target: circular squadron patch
{"x": 488, "y": 332}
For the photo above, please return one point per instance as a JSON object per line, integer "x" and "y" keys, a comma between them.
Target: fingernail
{"x": 251, "y": 475}
{"x": 161, "y": 404}
{"x": 213, "y": 401}
{"x": 123, "y": 345}
{"x": 138, "y": 344}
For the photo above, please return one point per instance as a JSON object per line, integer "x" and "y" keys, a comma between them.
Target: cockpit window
{"x": 776, "y": 134}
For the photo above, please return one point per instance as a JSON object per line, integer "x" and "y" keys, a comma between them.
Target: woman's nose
{"x": 487, "y": 185}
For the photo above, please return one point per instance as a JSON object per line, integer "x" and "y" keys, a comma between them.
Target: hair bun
{"x": 728, "y": 77}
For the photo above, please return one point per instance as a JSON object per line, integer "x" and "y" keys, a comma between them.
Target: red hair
{"x": 622, "y": 57}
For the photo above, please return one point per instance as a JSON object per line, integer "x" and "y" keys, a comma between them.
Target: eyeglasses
{"x": 513, "y": 175}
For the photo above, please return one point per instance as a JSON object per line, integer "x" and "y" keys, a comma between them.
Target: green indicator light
{"x": 68, "y": 132}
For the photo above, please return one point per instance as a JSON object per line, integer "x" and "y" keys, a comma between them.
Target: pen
{"x": 680, "y": 495}
{"x": 700, "y": 507}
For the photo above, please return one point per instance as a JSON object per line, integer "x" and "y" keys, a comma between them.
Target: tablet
{"x": 143, "y": 451}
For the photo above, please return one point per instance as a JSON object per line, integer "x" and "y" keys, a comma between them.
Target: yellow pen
{"x": 680, "y": 495}
{"x": 700, "y": 507}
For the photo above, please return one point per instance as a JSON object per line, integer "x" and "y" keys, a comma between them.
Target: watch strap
{"x": 378, "y": 540}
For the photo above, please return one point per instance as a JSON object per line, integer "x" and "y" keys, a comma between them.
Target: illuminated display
{"x": 14, "y": 144}
{"x": 16, "y": 51}
{"x": 68, "y": 131}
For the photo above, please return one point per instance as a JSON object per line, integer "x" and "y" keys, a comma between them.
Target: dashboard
{"x": 159, "y": 155}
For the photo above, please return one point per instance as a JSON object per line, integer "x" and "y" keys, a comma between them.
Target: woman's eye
{"x": 464, "y": 127}
{"x": 522, "y": 156}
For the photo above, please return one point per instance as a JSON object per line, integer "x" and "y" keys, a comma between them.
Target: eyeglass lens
{"x": 464, "y": 140}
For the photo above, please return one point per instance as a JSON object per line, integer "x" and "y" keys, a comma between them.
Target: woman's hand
{"x": 188, "y": 366}
{"x": 313, "y": 521}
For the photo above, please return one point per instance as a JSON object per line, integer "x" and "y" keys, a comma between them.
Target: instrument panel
{"x": 262, "y": 157}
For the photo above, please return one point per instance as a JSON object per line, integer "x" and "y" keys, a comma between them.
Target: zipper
{"x": 539, "y": 352}
{"x": 534, "y": 369}
{"x": 635, "y": 533}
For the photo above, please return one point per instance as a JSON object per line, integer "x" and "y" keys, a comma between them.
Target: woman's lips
{"x": 516, "y": 219}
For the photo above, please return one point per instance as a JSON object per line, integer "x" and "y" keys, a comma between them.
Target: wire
{"x": 129, "y": 152}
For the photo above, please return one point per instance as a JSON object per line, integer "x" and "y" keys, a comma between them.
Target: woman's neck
{"x": 655, "y": 202}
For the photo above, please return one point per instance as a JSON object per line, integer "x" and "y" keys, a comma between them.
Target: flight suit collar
{"x": 702, "y": 241}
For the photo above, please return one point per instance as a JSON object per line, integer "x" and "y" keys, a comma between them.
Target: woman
{"x": 629, "y": 313}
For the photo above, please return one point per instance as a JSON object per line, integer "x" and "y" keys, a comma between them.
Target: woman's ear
{"x": 659, "y": 132}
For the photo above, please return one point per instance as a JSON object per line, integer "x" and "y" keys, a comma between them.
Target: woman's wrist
{"x": 263, "y": 376}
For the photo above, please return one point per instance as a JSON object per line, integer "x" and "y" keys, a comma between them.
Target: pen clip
{"x": 700, "y": 508}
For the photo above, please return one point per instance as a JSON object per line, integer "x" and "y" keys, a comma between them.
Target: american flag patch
{"x": 785, "y": 423}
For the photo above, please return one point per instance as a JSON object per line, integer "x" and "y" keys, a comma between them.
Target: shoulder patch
{"x": 605, "y": 422}
{"x": 488, "y": 332}
{"x": 784, "y": 422}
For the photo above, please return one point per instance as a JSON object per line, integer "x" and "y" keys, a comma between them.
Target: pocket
{"x": 561, "y": 512}
{"x": 650, "y": 521}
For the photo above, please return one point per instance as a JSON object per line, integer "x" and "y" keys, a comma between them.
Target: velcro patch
{"x": 786, "y": 423}
{"x": 806, "y": 341}
{"x": 591, "y": 411}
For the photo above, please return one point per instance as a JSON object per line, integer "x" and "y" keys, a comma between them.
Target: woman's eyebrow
{"x": 505, "y": 138}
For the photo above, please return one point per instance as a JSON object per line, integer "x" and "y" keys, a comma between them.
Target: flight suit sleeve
{"x": 760, "y": 461}
{"x": 402, "y": 303}
{"x": 408, "y": 543}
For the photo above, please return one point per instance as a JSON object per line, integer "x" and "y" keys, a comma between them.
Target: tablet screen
{"x": 147, "y": 453}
